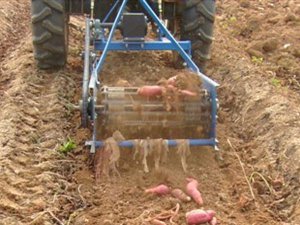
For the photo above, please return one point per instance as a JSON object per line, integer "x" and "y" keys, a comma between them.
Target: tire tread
{"x": 42, "y": 15}
{"x": 55, "y": 5}
{"x": 49, "y": 30}
{"x": 197, "y": 26}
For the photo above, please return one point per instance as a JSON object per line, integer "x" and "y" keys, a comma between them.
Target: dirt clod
{"x": 270, "y": 45}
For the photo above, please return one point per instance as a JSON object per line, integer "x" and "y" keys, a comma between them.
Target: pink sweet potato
{"x": 179, "y": 194}
{"x": 213, "y": 221}
{"x": 188, "y": 93}
{"x": 199, "y": 216}
{"x": 159, "y": 190}
{"x": 192, "y": 191}
{"x": 150, "y": 91}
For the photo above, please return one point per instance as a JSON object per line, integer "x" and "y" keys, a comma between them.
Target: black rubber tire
{"x": 50, "y": 33}
{"x": 197, "y": 24}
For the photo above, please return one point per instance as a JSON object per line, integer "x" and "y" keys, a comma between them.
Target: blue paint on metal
{"x": 110, "y": 36}
{"x": 213, "y": 113}
{"x": 142, "y": 46}
{"x": 167, "y": 33}
{"x": 160, "y": 34}
{"x": 171, "y": 143}
{"x": 110, "y": 11}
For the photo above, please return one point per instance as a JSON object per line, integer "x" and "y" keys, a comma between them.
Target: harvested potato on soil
{"x": 192, "y": 191}
{"x": 199, "y": 216}
{"x": 179, "y": 194}
{"x": 213, "y": 221}
{"x": 150, "y": 91}
{"x": 159, "y": 190}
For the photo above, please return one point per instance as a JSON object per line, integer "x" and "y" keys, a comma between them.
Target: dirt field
{"x": 255, "y": 58}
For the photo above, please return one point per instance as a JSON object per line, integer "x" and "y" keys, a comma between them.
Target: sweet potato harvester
{"x": 121, "y": 108}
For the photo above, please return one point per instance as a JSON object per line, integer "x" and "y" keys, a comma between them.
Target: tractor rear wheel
{"x": 50, "y": 33}
{"x": 197, "y": 26}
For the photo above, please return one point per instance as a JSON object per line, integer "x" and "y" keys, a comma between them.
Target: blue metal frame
{"x": 171, "y": 143}
{"x": 142, "y": 46}
{"x": 110, "y": 11}
{"x": 167, "y": 43}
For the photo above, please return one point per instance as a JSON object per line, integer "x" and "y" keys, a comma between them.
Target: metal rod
{"x": 111, "y": 34}
{"x": 142, "y": 46}
{"x": 96, "y": 70}
{"x": 86, "y": 73}
{"x": 149, "y": 104}
{"x": 160, "y": 124}
{"x": 151, "y": 113}
{"x": 183, "y": 54}
{"x": 94, "y": 112}
{"x": 92, "y": 8}
{"x": 165, "y": 31}
{"x": 165, "y": 114}
{"x": 214, "y": 108}
{"x": 171, "y": 143}
{"x": 109, "y": 25}
{"x": 110, "y": 11}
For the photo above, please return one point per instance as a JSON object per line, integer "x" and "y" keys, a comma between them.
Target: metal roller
{"x": 122, "y": 109}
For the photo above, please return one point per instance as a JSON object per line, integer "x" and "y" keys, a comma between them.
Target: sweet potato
{"x": 199, "y": 216}
{"x": 179, "y": 194}
{"x": 188, "y": 93}
{"x": 192, "y": 190}
{"x": 150, "y": 91}
{"x": 213, "y": 221}
{"x": 159, "y": 190}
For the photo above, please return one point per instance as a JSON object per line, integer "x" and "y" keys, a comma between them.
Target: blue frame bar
{"x": 142, "y": 46}
{"x": 109, "y": 40}
{"x": 110, "y": 11}
{"x": 171, "y": 143}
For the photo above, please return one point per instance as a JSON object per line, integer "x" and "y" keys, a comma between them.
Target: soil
{"x": 11, "y": 28}
{"x": 255, "y": 59}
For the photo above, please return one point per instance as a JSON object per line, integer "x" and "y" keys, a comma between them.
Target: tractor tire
{"x": 50, "y": 33}
{"x": 197, "y": 24}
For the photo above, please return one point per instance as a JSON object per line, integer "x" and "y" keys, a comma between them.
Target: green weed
{"x": 275, "y": 82}
{"x": 68, "y": 146}
{"x": 233, "y": 19}
{"x": 257, "y": 60}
